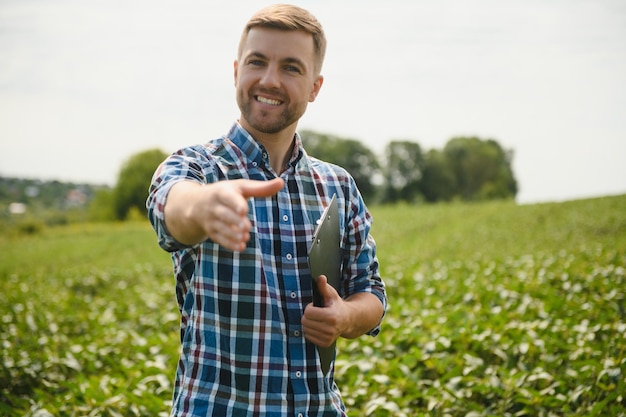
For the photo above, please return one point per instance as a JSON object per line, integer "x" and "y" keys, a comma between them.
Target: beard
{"x": 265, "y": 121}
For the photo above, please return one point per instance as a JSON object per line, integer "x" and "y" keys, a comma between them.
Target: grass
{"x": 495, "y": 310}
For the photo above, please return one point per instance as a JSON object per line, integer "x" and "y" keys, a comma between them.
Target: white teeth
{"x": 268, "y": 101}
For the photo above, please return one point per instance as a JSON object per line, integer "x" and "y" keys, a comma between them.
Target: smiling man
{"x": 276, "y": 78}
{"x": 238, "y": 215}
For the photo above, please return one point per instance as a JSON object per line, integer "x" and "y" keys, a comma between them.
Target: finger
{"x": 227, "y": 228}
{"x": 327, "y": 292}
{"x": 234, "y": 194}
{"x": 232, "y": 239}
{"x": 322, "y": 282}
{"x": 321, "y": 340}
{"x": 319, "y": 333}
{"x": 230, "y": 218}
{"x": 233, "y": 235}
{"x": 234, "y": 244}
{"x": 260, "y": 188}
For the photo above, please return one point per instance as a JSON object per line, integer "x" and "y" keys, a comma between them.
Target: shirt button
{"x": 264, "y": 155}
{"x": 254, "y": 164}
{"x": 293, "y": 294}
{"x": 300, "y": 415}
{"x": 298, "y": 374}
{"x": 285, "y": 217}
{"x": 296, "y": 333}
{"x": 289, "y": 256}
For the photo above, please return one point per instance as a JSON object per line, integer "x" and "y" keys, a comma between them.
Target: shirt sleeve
{"x": 361, "y": 267}
{"x": 189, "y": 164}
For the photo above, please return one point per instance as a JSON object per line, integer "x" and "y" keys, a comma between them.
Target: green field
{"x": 495, "y": 310}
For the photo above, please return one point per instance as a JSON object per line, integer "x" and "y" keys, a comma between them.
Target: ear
{"x": 317, "y": 85}
{"x": 235, "y": 70}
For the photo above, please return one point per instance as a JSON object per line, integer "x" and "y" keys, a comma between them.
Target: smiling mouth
{"x": 266, "y": 100}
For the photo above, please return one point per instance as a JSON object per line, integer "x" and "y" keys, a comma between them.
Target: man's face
{"x": 275, "y": 79}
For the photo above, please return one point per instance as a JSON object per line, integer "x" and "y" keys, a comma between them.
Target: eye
{"x": 256, "y": 62}
{"x": 292, "y": 68}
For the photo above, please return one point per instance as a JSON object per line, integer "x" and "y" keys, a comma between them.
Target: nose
{"x": 270, "y": 77}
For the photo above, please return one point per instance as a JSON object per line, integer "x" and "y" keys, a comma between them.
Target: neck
{"x": 279, "y": 152}
{"x": 279, "y": 146}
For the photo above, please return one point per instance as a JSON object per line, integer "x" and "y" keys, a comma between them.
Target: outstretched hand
{"x": 217, "y": 211}
{"x": 226, "y": 212}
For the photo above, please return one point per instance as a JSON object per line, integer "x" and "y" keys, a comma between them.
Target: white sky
{"x": 84, "y": 85}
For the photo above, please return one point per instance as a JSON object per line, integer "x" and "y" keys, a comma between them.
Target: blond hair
{"x": 288, "y": 17}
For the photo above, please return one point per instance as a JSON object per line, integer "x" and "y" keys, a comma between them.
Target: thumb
{"x": 325, "y": 290}
{"x": 252, "y": 188}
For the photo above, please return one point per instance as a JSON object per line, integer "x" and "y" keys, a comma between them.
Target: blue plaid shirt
{"x": 243, "y": 349}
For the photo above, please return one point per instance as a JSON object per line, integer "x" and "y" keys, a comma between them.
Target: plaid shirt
{"x": 243, "y": 349}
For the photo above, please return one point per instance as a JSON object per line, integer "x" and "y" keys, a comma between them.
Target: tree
{"x": 404, "y": 172}
{"x": 481, "y": 168}
{"x": 350, "y": 154}
{"x": 131, "y": 190}
{"x": 438, "y": 182}
{"x": 102, "y": 206}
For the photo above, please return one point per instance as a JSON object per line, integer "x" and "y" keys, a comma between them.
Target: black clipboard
{"x": 325, "y": 259}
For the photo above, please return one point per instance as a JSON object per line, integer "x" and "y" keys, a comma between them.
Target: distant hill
{"x": 21, "y": 194}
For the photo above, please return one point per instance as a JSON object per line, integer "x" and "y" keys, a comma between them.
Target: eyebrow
{"x": 288, "y": 60}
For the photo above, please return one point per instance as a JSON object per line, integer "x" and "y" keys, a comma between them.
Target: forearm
{"x": 178, "y": 213}
{"x": 366, "y": 312}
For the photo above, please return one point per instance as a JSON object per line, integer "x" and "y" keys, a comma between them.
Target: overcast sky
{"x": 86, "y": 84}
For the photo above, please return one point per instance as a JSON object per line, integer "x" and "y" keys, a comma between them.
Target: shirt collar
{"x": 256, "y": 152}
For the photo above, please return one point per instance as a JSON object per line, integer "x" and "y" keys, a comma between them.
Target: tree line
{"x": 466, "y": 169}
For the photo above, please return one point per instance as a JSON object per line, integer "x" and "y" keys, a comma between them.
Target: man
{"x": 238, "y": 215}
